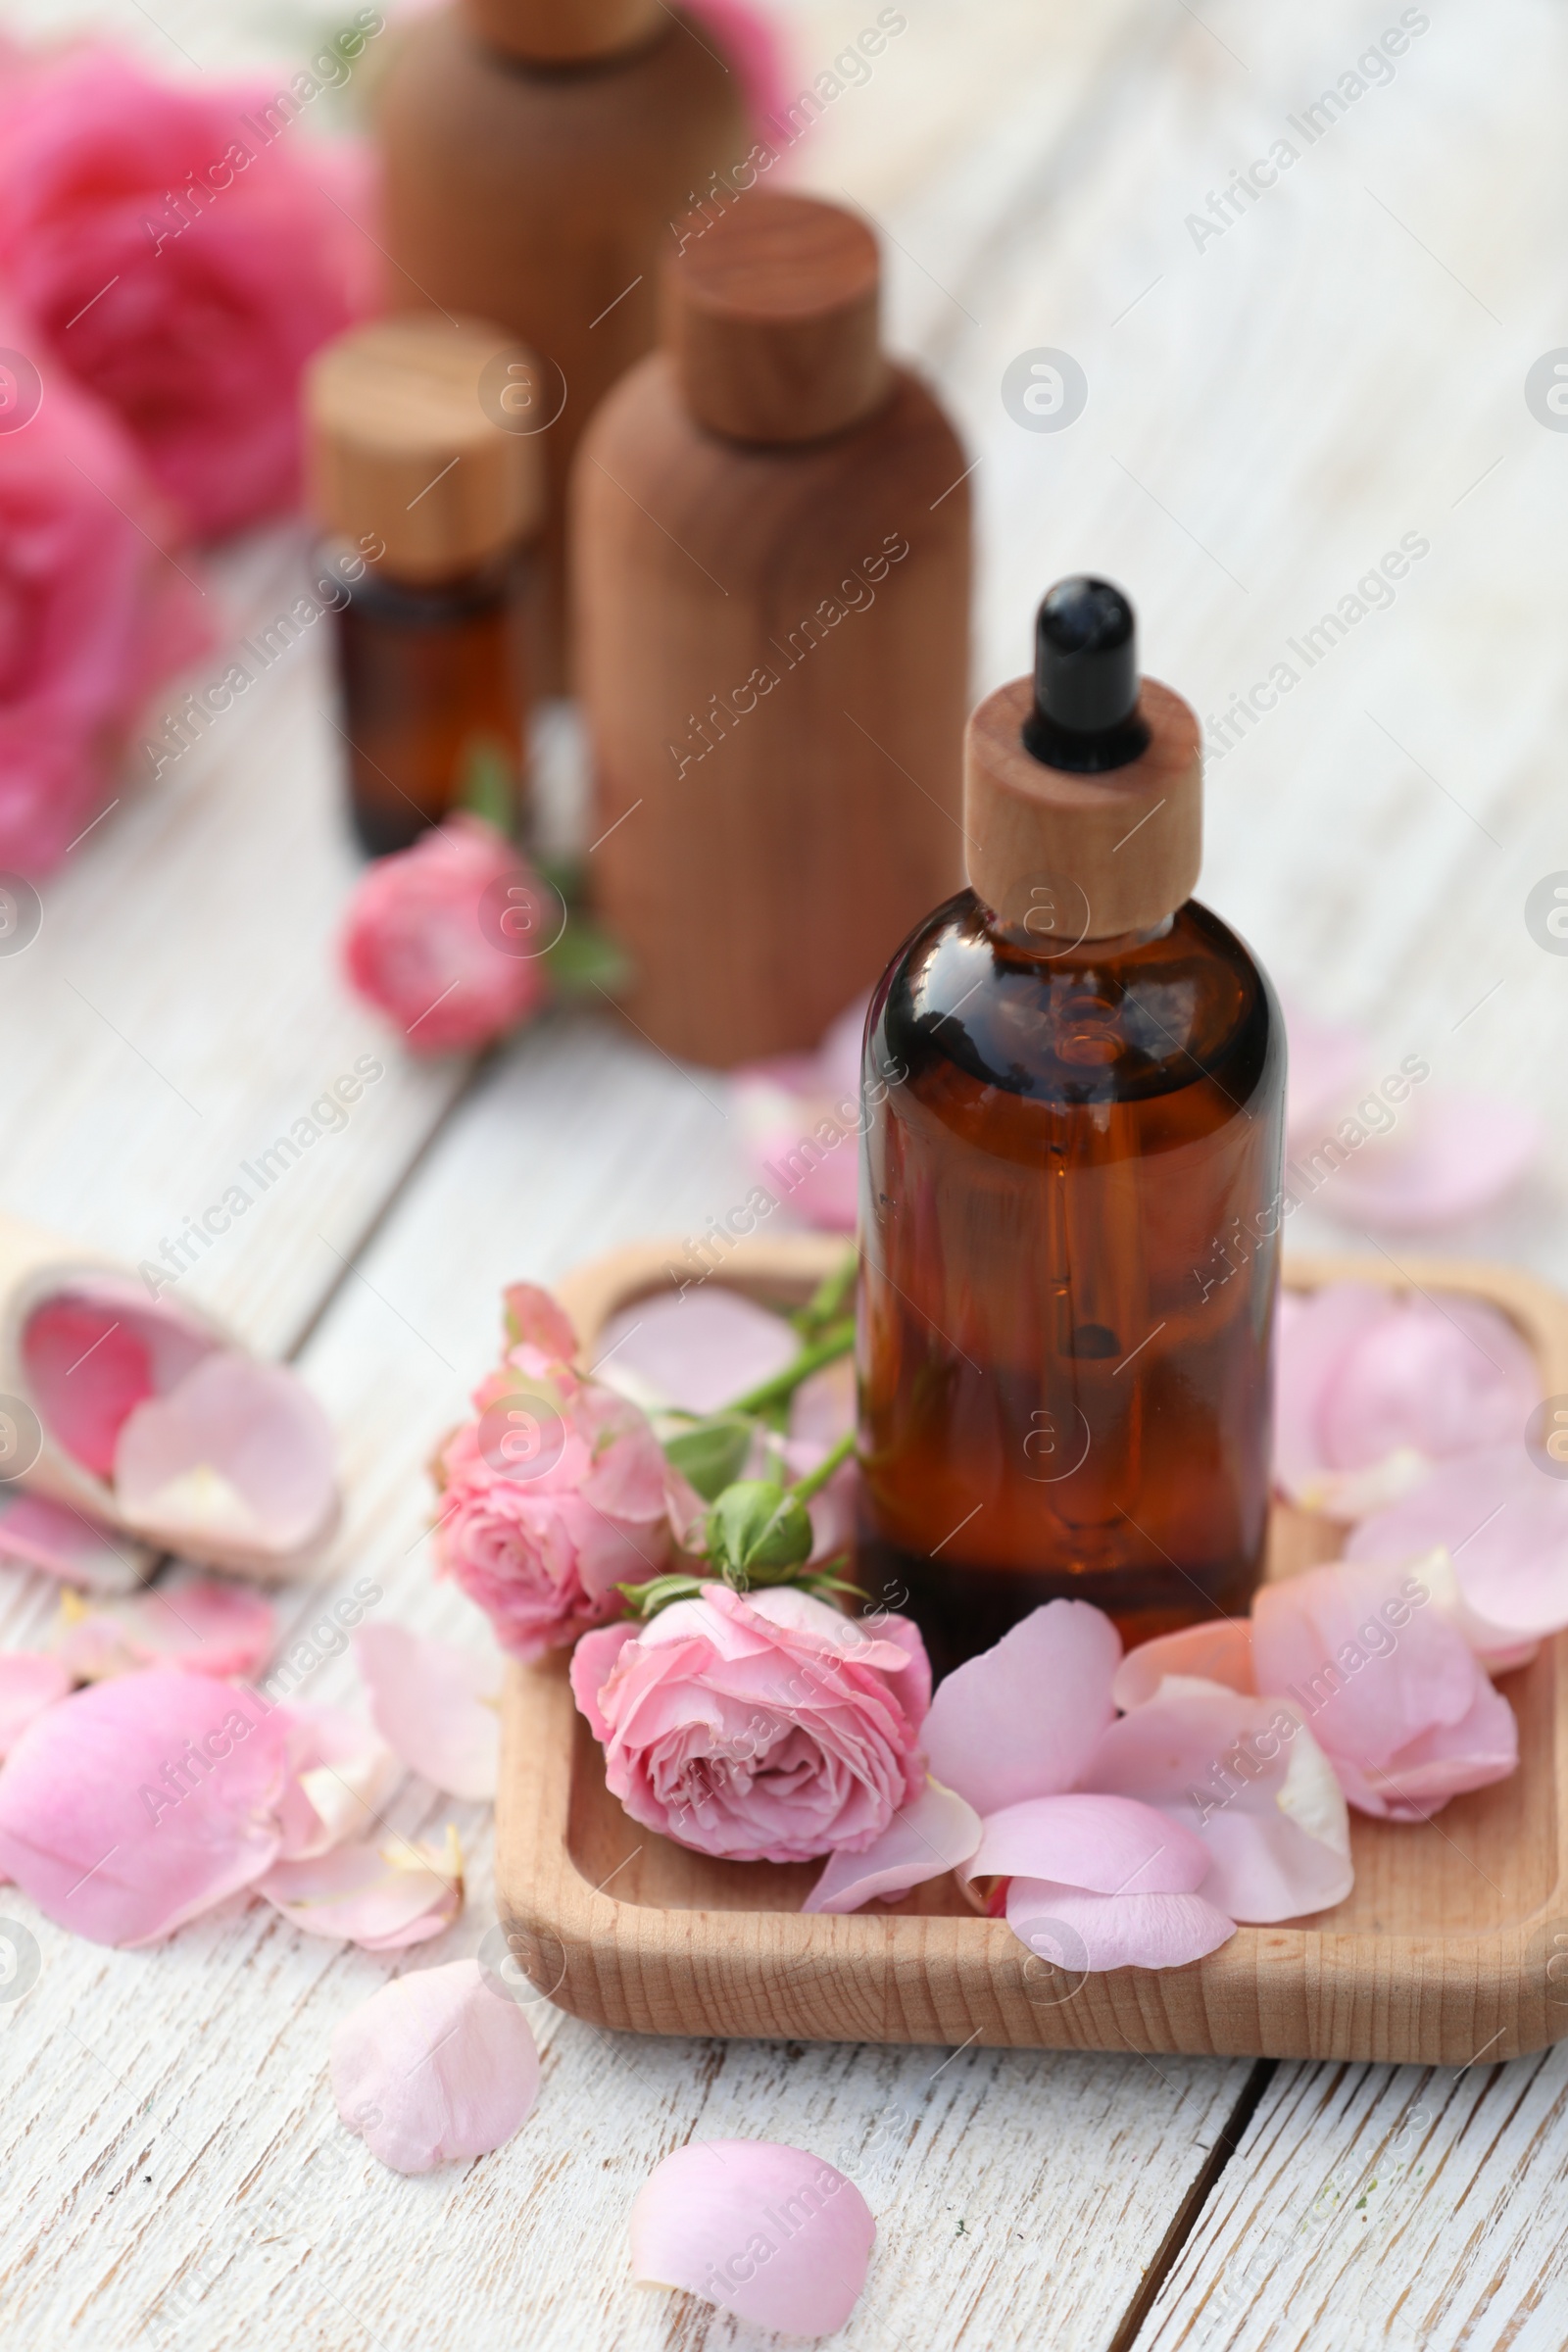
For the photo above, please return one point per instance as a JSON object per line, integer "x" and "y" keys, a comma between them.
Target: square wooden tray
{"x": 1452, "y": 1945}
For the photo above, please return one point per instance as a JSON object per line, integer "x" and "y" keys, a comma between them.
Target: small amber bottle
{"x": 1071, "y": 1182}
{"x": 427, "y": 500}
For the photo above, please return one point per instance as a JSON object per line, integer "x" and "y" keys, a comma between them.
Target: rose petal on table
{"x": 134, "y": 1805}
{"x": 1248, "y": 1778}
{"x": 925, "y": 1839}
{"x": 382, "y": 1896}
{"x": 1504, "y": 1525}
{"x": 1438, "y": 1376}
{"x": 199, "y": 1622}
{"x": 1313, "y": 1347}
{"x": 1394, "y": 1693}
{"x": 1220, "y": 1652}
{"x": 535, "y": 1319}
{"x": 237, "y": 1451}
{"x": 343, "y": 1773}
{"x": 1021, "y": 1719}
{"x": 30, "y": 1680}
{"x": 1107, "y": 1845}
{"x": 70, "y": 1544}
{"x": 1453, "y": 1158}
{"x": 437, "y": 1705}
{"x": 1076, "y": 1930}
{"x": 434, "y": 2068}
{"x": 698, "y": 1350}
{"x": 771, "y": 2232}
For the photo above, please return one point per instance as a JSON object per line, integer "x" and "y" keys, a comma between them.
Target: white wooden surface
{"x": 1266, "y": 416}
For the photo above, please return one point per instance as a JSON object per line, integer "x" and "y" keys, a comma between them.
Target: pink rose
{"x": 550, "y": 1501}
{"x": 430, "y": 936}
{"x": 177, "y": 254}
{"x": 768, "y": 1729}
{"x": 92, "y": 615}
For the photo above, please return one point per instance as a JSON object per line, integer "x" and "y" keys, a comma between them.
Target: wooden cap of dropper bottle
{"x": 565, "y": 31}
{"x": 1112, "y": 840}
{"x": 403, "y": 443}
{"x": 771, "y": 314}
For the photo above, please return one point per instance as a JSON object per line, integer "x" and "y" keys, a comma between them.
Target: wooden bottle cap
{"x": 1060, "y": 857}
{"x": 565, "y": 31}
{"x": 771, "y": 314}
{"x": 404, "y": 442}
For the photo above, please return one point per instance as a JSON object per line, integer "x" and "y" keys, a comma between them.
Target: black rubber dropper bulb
{"x": 1085, "y": 717}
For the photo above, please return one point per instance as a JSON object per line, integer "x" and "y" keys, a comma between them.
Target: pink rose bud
{"x": 446, "y": 938}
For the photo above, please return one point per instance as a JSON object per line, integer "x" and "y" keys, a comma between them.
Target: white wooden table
{"x": 1268, "y": 412}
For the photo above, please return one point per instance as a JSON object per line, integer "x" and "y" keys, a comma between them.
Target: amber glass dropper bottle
{"x": 427, "y": 502}
{"x": 1079, "y": 1078}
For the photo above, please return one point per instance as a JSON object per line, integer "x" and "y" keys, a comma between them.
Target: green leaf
{"x": 488, "y": 784}
{"x": 711, "y": 1452}
{"x": 585, "y": 958}
{"x": 646, "y": 1600}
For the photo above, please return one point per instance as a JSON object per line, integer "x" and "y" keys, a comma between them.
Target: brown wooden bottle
{"x": 1070, "y": 1181}
{"x": 427, "y": 501}
{"x": 537, "y": 156}
{"x": 771, "y": 545}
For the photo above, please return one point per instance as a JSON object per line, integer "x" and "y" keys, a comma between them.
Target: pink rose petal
{"x": 770, "y": 2232}
{"x": 192, "y": 1621}
{"x": 30, "y": 1682}
{"x": 342, "y": 1776}
{"x": 1022, "y": 1719}
{"x": 233, "y": 1463}
{"x": 1105, "y": 1844}
{"x": 1327, "y": 1065}
{"x": 1074, "y": 1929}
{"x": 140, "y": 1802}
{"x": 534, "y": 1319}
{"x": 698, "y": 1350}
{"x": 436, "y": 1705}
{"x": 1246, "y": 1776}
{"x": 934, "y": 1833}
{"x": 1506, "y": 1525}
{"x": 1392, "y": 1692}
{"x": 1453, "y": 1157}
{"x": 382, "y": 1897}
{"x": 67, "y": 1544}
{"x": 1218, "y": 1652}
{"x": 434, "y": 2068}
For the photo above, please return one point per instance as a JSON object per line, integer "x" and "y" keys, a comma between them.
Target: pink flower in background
{"x": 172, "y": 247}
{"x": 432, "y": 937}
{"x": 764, "y": 1728}
{"x": 751, "y": 42}
{"x": 800, "y": 1114}
{"x": 552, "y": 1498}
{"x": 94, "y": 615}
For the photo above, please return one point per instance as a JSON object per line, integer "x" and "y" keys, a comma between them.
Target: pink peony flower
{"x": 94, "y": 615}
{"x": 172, "y": 247}
{"x": 552, "y": 1498}
{"x": 768, "y": 1729}
{"x": 427, "y": 939}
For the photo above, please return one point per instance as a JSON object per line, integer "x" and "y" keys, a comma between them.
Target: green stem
{"x": 826, "y": 1301}
{"x": 815, "y": 1480}
{"x": 825, "y": 1351}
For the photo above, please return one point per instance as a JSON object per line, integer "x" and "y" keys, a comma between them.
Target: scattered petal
{"x": 132, "y": 1807}
{"x": 934, "y": 1833}
{"x": 1505, "y": 1526}
{"x": 1107, "y": 1845}
{"x": 67, "y": 1544}
{"x": 233, "y": 1464}
{"x": 434, "y": 2068}
{"x": 436, "y": 1705}
{"x": 1075, "y": 1930}
{"x": 30, "y": 1681}
{"x": 192, "y": 1621}
{"x": 698, "y": 1350}
{"x": 382, "y": 1897}
{"x": 1220, "y": 1652}
{"x": 343, "y": 1774}
{"x": 771, "y": 2232}
{"x": 1453, "y": 1155}
{"x": 1022, "y": 1719}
